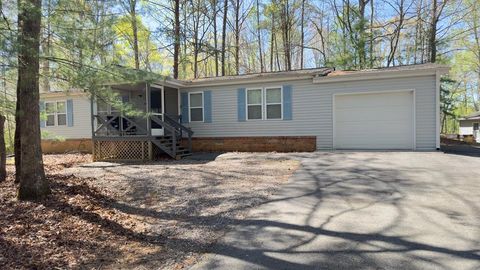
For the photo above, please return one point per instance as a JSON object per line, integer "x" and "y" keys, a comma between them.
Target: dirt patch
{"x": 123, "y": 216}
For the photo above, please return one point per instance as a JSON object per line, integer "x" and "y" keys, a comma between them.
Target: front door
{"x": 157, "y": 107}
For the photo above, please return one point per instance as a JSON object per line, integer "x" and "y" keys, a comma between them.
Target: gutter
{"x": 63, "y": 94}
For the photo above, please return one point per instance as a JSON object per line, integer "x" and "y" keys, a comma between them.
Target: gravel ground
{"x": 184, "y": 206}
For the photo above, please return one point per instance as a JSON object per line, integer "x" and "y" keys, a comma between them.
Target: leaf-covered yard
{"x": 158, "y": 215}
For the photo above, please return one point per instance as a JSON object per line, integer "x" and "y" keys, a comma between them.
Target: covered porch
{"x": 139, "y": 121}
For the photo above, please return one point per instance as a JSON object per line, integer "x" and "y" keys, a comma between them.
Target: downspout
{"x": 437, "y": 109}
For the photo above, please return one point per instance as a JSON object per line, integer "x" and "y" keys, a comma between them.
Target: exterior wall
{"x": 312, "y": 108}
{"x": 81, "y": 119}
{"x": 466, "y": 126}
{"x": 70, "y": 145}
{"x": 255, "y": 144}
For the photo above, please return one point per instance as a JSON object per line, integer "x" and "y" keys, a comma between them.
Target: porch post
{"x": 92, "y": 116}
{"x": 92, "y": 120}
{"x": 147, "y": 109}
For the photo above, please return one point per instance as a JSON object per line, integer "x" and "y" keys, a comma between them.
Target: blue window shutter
{"x": 207, "y": 106}
{"x": 287, "y": 102}
{"x": 184, "y": 106}
{"x": 241, "y": 105}
{"x": 70, "y": 112}
{"x": 43, "y": 122}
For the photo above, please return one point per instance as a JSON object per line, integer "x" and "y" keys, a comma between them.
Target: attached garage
{"x": 380, "y": 120}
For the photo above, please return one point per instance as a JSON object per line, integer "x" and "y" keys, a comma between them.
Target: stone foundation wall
{"x": 255, "y": 144}
{"x": 68, "y": 145}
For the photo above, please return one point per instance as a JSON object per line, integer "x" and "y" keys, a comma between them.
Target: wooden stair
{"x": 170, "y": 143}
{"x": 165, "y": 143}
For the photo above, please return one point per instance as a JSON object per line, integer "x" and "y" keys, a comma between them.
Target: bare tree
{"x": 401, "y": 11}
{"x": 131, "y": 7}
{"x": 214, "y": 5}
{"x": 259, "y": 37}
{"x": 224, "y": 34}
{"x": 176, "y": 34}
{"x": 436, "y": 12}
{"x": 302, "y": 33}
{"x": 237, "y": 35}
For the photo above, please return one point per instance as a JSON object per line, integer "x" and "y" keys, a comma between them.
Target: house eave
{"x": 382, "y": 74}
{"x": 247, "y": 80}
{"x": 469, "y": 119}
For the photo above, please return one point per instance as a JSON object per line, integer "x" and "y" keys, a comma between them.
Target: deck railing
{"x": 117, "y": 127}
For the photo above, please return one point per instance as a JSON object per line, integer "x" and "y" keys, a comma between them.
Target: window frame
{"x": 276, "y": 103}
{"x": 55, "y": 113}
{"x": 65, "y": 113}
{"x": 264, "y": 103}
{"x": 247, "y": 105}
{"x": 196, "y": 107}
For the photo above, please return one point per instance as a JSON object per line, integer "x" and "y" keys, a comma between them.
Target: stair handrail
{"x": 168, "y": 127}
{"x": 181, "y": 128}
{"x": 176, "y": 124}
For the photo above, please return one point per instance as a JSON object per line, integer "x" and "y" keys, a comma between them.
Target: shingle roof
{"x": 387, "y": 69}
{"x": 472, "y": 116}
{"x": 277, "y": 74}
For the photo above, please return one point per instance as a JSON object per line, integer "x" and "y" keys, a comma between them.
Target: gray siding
{"x": 81, "y": 119}
{"x": 312, "y": 110}
{"x": 466, "y": 126}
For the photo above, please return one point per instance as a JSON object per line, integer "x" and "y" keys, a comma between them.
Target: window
{"x": 476, "y": 126}
{"x": 264, "y": 103}
{"x": 273, "y": 103}
{"x": 50, "y": 108}
{"x": 56, "y": 113}
{"x": 61, "y": 113}
{"x": 196, "y": 107}
{"x": 254, "y": 104}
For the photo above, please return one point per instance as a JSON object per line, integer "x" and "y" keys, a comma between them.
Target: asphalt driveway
{"x": 363, "y": 210}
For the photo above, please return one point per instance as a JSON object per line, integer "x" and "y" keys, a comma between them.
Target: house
{"x": 394, "y": 108}
{"x": 66, "y": 124}
{"x": 469, "y": 126}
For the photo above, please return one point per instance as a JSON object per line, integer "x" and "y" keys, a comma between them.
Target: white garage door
{"x": 374, "y": 121}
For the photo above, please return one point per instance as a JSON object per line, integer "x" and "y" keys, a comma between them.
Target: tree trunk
{"x": 237, "y": 37}
{"x": 3, "y": 150}
{"x": 133, "y": 15}
{"x": 46, "y": 51}
{"x": 215, "y": 37}
{"x": 224, "y": 34}
{"x": 372, "y": 17}
{"x": 272, "y": 38}
{"x": 260, "y": 53}
{"x": 29, "y": 173}
{"x": 362, "y": 38}
{"x": 286, "y": 23}
{"x": 433, "y": 33}
{"x": 302, "y": 22}
{"x": 176, "y": 47}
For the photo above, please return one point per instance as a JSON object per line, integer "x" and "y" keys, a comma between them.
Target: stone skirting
{"x": 255, "y": 144}
{"x": 68, "y": 145}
